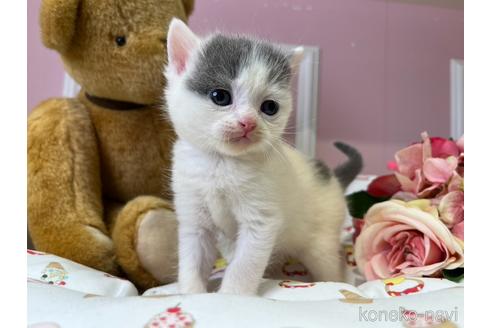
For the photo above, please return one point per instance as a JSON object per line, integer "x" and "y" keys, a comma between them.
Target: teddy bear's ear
{"x": 189, "y": 5}
{"x": 58, "y": 19}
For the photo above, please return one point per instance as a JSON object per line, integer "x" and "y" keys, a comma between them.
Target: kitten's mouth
{"x": 236, "y": 139}
{"x": 243, "y": 139}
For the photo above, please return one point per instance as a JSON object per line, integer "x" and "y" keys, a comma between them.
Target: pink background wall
{"x": 44, "y": 68}
{"x": 384, "y": 64}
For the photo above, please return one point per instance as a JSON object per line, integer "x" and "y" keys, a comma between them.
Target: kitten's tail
{"x": 347, "y": 172}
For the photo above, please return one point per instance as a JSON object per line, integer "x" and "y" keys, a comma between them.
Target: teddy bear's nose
{"x": 163, "y": 40}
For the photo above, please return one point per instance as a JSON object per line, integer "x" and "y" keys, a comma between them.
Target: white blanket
{"x": 62, "y": 293}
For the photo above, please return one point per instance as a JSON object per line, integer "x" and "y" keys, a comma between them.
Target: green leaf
{"x": 360, "y": 202}
{"x": 455, "y": 275}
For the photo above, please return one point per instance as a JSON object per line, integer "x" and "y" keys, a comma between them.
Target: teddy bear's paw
{"x": 156, "y": 244}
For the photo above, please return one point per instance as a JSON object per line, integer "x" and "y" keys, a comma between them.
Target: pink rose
{"x": 358, "y": 224}
{"x": 406, "y": 238}
{"x": 459, "y": 230}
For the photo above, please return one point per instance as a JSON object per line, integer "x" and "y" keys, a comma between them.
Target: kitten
{"x": 238, "y": 187}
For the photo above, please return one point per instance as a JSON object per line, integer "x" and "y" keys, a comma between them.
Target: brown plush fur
{"x": 125, "y": 236}
{"x": 94, "y": 172}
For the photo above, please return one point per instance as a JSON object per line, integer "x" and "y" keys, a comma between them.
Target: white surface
{"x": 320, "y": 304}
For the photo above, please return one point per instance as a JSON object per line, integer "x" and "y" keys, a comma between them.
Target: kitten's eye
{"x": 120, "y": 41}
{"x": 269, "y": 107}
{"x": 220, "y": 97}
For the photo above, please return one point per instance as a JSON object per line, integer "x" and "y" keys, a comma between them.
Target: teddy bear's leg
{"x": 64, "y": 189}
{"x": 145, "y": 235}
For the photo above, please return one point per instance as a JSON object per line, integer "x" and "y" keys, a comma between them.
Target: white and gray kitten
{"x": 239, "y": 189}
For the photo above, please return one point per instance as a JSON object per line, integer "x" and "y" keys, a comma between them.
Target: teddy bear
{"x": 98, "y": 164}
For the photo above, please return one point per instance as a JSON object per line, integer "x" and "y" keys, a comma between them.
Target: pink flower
{"x": 456, "y": 182}
{"x": 443, "y": 148}
{"x": 426, "y": 168}
{"x": 452, "y": 208}
{"x": 358, "y": 224}
{"x": 461, "y": 144}
{"x": 459, "y": 230}
{"x": 392, "y": 166}
{"x": 438, "y": 170}
{"x": 406, "y": 238}
{"x": 384, "y": 186}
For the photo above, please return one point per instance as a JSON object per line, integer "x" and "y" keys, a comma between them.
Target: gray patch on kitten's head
{"x": 223, "y": 57}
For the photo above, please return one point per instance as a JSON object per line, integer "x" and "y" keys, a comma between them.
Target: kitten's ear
{"x": 181, "y": 42}
{"x": 295, "y": 58}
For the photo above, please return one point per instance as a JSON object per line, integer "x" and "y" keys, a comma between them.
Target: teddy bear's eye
{"x": 120, "y": 41}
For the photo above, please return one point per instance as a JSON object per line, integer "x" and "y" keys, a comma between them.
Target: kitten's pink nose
{"x": 248, "y": 124}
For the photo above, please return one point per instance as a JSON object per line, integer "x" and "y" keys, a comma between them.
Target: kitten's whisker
{"x": 281, "y": 155}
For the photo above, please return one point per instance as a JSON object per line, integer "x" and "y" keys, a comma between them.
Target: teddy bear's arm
{"x": 65, "y": 214}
